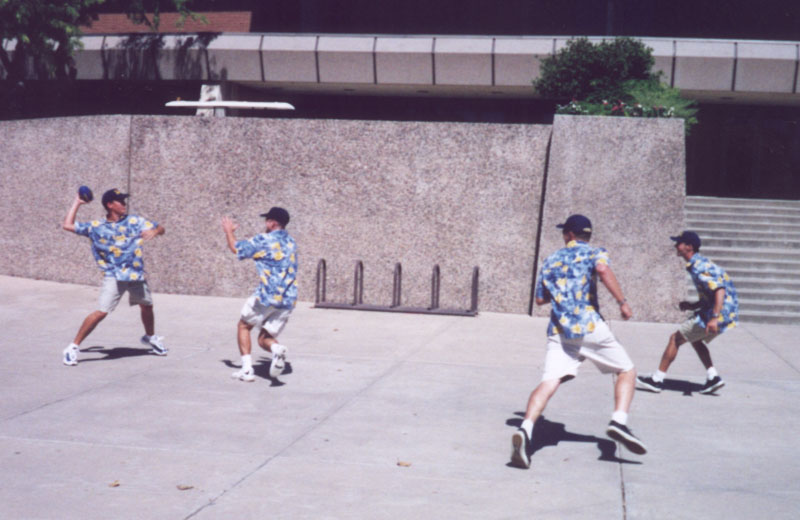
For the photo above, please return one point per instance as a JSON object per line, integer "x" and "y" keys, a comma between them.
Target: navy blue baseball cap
{"x": 688, "y": 237}
{"x": 280, "y": 215}
{"x": 112, "y": 195}
{"x": 576, "y": 224}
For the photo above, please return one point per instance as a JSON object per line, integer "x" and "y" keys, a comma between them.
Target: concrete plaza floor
{"x": 378, "y": 415}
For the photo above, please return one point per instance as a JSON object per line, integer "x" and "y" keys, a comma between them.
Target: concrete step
{"x": 724, "y": 254}
{"x": 736, "y": 216}
{"x": 745, "y": 282}
{"x": 717, "y": 241}
{"x": 749, "y": 305}
{"x": 758, "y": 243}
{"x": 745, "y": 233}
{"x": 745, "y": 211}
{"x": 758, "y": 294}
{"x": 738, "y": 225}
{"x": 781, "y": 318}
{"x": 779, "y": 267}
{"x": 695, "y": 200}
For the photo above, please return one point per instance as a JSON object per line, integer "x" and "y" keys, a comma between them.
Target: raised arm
{"x": 229, "y": 226}
{"x": 69, "y": 220}
{"x": 152, "y": 233}
{"x": 608, "y": 278}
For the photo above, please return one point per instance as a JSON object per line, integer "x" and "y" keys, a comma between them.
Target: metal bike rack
{"x": 397, "y": 293}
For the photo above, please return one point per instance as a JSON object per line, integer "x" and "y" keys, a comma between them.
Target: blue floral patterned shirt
{"x": 708, "y": 277}
{"x": 275, "y": 255}
{"x": 117, "y": 246}
{"x": 567, "y": 280}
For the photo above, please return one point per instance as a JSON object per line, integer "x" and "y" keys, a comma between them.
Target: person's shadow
{"x": 549, "y": 433}
{"x": 261, "y": 369}
{"x": 678, "y": 385}
{"x": 114, "y": 352}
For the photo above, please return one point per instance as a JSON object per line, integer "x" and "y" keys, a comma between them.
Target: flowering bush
{"x": 648, "y": 98}
{"x": 612, "y": 78}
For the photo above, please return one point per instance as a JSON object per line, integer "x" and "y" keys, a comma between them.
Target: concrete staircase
{"x": 758, "y": 243}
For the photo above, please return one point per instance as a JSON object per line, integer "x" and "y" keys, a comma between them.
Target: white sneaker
{"x": 278, "y": 360}
{"x": 71, "y": 355}
{"x": 244, "y": 375}
{"x": 156, "y": 344}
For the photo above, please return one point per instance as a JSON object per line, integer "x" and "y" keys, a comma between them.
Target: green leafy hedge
{"x": 611, "y": 78}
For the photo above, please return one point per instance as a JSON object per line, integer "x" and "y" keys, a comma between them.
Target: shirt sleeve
{"x": 245, "y": 249}
{"x": 82, "y": 228}
{"x": 711, "y": 278}
{"x": 601, "y": 256}
{"x": 540, "y": 291}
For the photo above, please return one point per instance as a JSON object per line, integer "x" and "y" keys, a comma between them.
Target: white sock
{"x": 278, "y": 349}
{"x": 527, "y": 425}
{"x": 620, "y": 417}
{"x": 658, "y": 376}
{"x": 73, "y": 345}
{"x": 712, "y": 373}
{"x": 247, "y": 363}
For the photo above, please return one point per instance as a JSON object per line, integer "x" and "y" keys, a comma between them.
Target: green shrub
{"x": 612, "y": 78}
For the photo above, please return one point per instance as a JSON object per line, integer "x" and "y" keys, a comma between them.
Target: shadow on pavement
{"x": 114, "y": 353}
{"x": 261, "y": 369}
{"x": 549, "y": 433}
{"x": 678, "y": 385}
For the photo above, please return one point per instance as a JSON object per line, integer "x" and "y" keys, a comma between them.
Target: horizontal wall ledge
{"x": 717, "y": 70}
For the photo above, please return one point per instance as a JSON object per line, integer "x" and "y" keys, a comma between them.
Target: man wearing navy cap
{"x": 117, "y": 249}
{"x": 577, "y": 331}
{"x": 269, "y": 307}
{"x": 716, "y": 311}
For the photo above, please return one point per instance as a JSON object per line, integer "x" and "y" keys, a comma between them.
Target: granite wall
{"x": 628, "y": 176}
{"x": 454, "y": 194}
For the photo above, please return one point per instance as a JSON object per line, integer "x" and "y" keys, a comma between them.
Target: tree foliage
{"x": 148, "y": 12}
{"x": 585, "y": 71}
{"x": 613, "y": 78}
{"x": 38, "y": 37}
{"x": 43, "y": 34}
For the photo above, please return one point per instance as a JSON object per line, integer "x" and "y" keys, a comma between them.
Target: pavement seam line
{"x": 772, "y": 350}
{"x": 346, "y": 401}
{"x": 90, "y": 389}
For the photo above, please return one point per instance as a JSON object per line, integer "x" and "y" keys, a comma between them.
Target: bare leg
{"x": 675, "y": 341}
{"x": 265, "y": 340}
{"x": 540, "y": 397}
{"x": 148, "y": 319}
{"x": 88, "y": 325}
{"x": 623, "y": 390}
{"x": 703, "y": 354}
{"x": 243, "y": 336}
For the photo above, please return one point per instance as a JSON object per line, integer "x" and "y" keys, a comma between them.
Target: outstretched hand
{"x": 229, "y": 225}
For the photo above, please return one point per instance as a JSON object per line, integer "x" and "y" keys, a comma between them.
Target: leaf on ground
{"x": 184, "y": 487}
{"x": 403, "y": 464}
{"x": 114, "y": 484}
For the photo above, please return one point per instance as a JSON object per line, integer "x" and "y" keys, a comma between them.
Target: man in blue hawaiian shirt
{"x": 117, "y": 248}
{"x": 269, "y": 307}
{"x": 577, "y": 331}
{"x": 716, "y": 311}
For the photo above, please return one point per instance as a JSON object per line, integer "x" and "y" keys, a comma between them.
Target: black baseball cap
{"x": 576, "y": 224}
{"x": 112, "y": 195}
{"x": 279, "y": 215}
{"x": 688, "y": 237}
